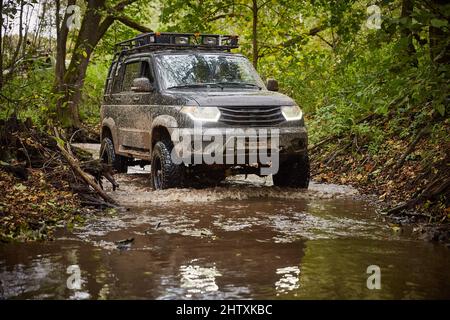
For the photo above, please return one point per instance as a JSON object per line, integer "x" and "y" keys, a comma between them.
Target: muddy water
{"x": 245, "y": 239}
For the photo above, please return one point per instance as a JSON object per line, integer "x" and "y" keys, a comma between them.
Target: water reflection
{"x": 197, "y": 279}
{"x": 16, "y": 281}
{"x": 251, "y": 249}
{"x": 42, "y": 277}
{"x": 289, "y": 280}
{"x": 336, "y": 269}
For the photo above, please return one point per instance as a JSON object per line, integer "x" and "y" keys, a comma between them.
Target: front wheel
{"x": 164, "y": 173}
{"x": 293, "y": 172}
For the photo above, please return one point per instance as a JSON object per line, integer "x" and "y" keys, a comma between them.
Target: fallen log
{"x": 411, "y": 147}
{"x": 433, "y": 189}
{"x": 97, "y": 169}
{"x": 74, "y": 163}
{"x": 19, "y": 170}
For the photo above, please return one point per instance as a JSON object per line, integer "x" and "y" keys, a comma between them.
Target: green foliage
{"x": 347, "y": 72}
{"x": 29, "y": 95}
{"x": 342, "y": 84}
{"x": 322, "y": 53}
{"x": 93, "y": 90}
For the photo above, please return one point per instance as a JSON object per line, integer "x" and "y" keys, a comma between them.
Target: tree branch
{"x": 312, "y": 32}
{"x": 75, "y": 165}
{"x": 263, "y": 4}
{"x": 133, "y": 24}
{"x": 225, "y": 15}
{"x": 121, "y": 5}
{"x": 115, "y": 14}
{"x": 104, "y": 26}
{"x": 325, "y": 40}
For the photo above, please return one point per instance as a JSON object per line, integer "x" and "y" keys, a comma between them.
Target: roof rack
{"x": 172, "y": 41}
{"x": 176, "y": 41}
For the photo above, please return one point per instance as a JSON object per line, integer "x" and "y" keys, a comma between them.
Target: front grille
{"x": 251, "y": 116}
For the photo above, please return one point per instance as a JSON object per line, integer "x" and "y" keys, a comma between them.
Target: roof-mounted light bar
{"x": 155, "y": 40}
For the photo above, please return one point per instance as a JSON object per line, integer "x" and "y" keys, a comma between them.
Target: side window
{"x": 117, "y": 78}
{"x": 147, "y": 71}
{"x": 109, "y": 78}
{"x": 132, "y": 71}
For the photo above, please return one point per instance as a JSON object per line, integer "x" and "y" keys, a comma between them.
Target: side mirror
{"x": 272, "y": 85}
{"x": 141, "y": 85}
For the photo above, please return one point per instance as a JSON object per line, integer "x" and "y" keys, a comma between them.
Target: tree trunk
{"x": 410, "y": 50}
{"x": 255, "y": 33}
{"x": 69, "y": 83}
{"x": 19, "y": 43}
{"x": 25, "y": 42}
{"x": 62, "y": 109}
{"x": 37, "y": 34}
{"x": 439, "y": 40}
{"x": 15, "y": 57}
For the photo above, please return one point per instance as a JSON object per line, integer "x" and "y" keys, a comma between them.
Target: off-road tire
{"x": 164, "y": 173}
{"x": 293, "y": 172}
{"x": 109, "y": 156}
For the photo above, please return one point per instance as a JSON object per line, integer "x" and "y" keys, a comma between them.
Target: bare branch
{"x": 325, "y": 40}
{"x": 132, "y": 24}
{"x": 116, "y": 14}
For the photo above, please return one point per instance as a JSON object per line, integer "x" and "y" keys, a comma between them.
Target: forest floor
{"x": 40, "y": 190}
{"x": 32, "y": 208}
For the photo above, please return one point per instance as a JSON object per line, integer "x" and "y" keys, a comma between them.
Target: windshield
{"x": 208, "y": 71}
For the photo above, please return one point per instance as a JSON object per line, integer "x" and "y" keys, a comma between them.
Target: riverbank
{"x": 408, "y": 176}
{"x": 32, "y": 209}
{"x": 43, "y": 183}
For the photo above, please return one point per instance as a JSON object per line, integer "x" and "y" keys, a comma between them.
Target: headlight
{"x": 292, "y": 113}
{"x": 202, "y": 113}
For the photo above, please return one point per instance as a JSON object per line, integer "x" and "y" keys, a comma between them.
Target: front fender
{"x": 111, "y": 125}
{"x": 166, "y": 121}
{"x": 163, "y": 121}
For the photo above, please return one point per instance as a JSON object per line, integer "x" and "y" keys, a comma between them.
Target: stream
{"x": 243, "y": 240}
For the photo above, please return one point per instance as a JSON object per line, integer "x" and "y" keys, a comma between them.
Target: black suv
{"x": 198, "y": 113}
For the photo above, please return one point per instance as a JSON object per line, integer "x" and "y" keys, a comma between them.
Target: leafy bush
{"x": 93, "y": 91}
{"x": 29, "y": 95}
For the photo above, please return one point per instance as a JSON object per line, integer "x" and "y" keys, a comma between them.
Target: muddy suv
{"x": 198, "y": 113}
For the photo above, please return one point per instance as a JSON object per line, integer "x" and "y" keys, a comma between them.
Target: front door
{"x": 133, "y": 115}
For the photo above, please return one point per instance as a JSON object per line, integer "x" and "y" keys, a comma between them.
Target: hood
{"x": 234, "y": 98}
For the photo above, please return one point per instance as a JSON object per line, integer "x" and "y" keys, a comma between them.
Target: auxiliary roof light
{"x": 210, "y": 41}
{"x": 181, "y": 40}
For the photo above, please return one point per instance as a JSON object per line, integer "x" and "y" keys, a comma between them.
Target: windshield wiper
{"x": 196, "y": 85}
{"x": 245, "y": 84}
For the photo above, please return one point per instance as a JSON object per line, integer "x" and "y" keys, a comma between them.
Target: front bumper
{"x": 253, "y": 144}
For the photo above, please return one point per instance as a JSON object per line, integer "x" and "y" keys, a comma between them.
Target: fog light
{"x": 210, "y": 41}
{"x": 181, "y": 40}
